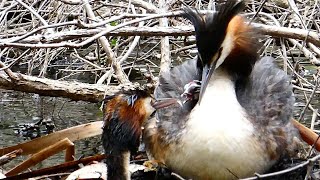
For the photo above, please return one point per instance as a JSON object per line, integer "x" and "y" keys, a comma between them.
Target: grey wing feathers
{"x": 268, "y": 99}
{"x": 171, "y": 83}
{"x": 271, "y": 97}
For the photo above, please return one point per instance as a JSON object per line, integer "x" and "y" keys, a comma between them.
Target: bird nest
{"x": 44, "y": 43}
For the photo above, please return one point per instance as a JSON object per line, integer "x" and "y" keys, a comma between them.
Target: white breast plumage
{"x": 219, "y": 138}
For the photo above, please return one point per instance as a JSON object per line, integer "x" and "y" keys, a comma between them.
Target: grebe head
{"x": 124, "y": 115}
{"x": 222, "y": 38}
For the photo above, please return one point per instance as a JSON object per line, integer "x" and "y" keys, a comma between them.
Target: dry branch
{"x": 164, "y": 43}
{"x": 278, "y": 173}
{"x": 73, "y": 134}
{"x": 56, "y": 39}
{"x": 58, "y": 168}
{"x": 9, "y": 156}
{"x": 73, "y": 90}
{"x": 44, "y": 154}
{"x": 308, "y": 135}
{"x": 116, "y": 67}
{"x": 125, "y": 32}
{"x": 294, "y": 33}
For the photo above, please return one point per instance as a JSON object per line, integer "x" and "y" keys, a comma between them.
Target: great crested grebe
{"x": 123, "y": 116}
{"x": 241, "y": 123}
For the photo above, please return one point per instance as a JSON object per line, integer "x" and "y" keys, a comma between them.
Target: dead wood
{"x": 9, "y": 156}
{"x": 308, "y": 135}
{"x": 58, "y": 168}
{"x": 44, "y": 154}
{"x": 73, "y": 90}
{"x": 73, "y": 134}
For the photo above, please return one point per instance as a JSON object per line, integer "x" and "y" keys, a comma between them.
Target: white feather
{"x": 227, "y": 46}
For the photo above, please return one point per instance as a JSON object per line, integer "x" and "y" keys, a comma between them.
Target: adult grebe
{"x": 241, "y": 124}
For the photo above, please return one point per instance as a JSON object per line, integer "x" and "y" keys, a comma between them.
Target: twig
{"x": 121, "y": 76}
{"x": 258, "y": 11}
{"x": 145, "y": 5}
{"x": 164, "y": 42}
{"x": 71, "y": 2}
{"x": 306, "y": 52}
{"x": 86, "y": 61}
{"x": 8, "y": 157}
{"x": 177, "y": 176}
{"x": 15, "y": 61}
{"x": 310, "y": 98}
{"x": 59, "y": 168}
{"x": 44, "y": 22}
{"x": 284, "y": 32}
{"x": 12, "y": 76}
{"x": 260, "y": 176}
{"x": 313, "y": 119}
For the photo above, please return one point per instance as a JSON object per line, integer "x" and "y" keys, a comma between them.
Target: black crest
{"x": 211, "y": 31}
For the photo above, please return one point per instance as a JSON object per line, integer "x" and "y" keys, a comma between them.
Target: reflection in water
{"x": 20, "y": 111}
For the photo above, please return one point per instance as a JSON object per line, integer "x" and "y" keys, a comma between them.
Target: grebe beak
{"x": 164, "y": 102}
{"x": 206, "y": 75}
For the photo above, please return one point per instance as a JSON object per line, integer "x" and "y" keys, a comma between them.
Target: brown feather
{"x": 134, "y": 115}
{"x": 243, "y": 56}
{"x": 154, "y": 139}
